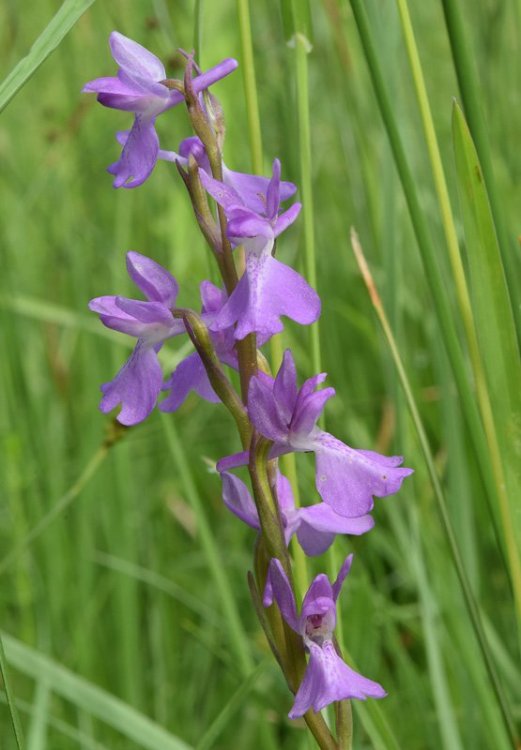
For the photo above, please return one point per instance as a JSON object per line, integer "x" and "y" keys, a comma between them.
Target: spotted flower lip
{"x": 268, "y": 289}
{"x": 327, "y": 678}
{"x": 315, "y": 526}
{"x": 138, "y": 383}
{"x": 138, "y": 88}
{"x": 345, "y": 478}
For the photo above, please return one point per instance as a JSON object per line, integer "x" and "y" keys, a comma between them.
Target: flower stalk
{"x": 273, "y": 415}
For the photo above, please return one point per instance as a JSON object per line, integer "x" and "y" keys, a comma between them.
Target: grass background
{"x": 117, "y": 587}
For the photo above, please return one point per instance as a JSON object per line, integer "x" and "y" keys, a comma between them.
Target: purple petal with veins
{"x": 135, "y": 387}
{"x": 156, "y": 283}
{"x": 189, "y": 375}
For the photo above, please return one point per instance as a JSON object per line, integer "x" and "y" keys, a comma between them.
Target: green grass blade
{"x": 90, "y": 698}
{"x": 57, "y": 509}
{"x": 250, "y": 86}
{"x": 216, "y": 564}
{"x": 497, "y": 332}
{"x": 13, "y": 713}
{"x": 79, "y": 738}
{"x": 428, "y": 252}
{"x": 470, "y": 601}
{"x": 37, "y": 734}
{"x": 230, "y": 709}
{"x": 470, "y": 92}
{"x": 49, "y": 39}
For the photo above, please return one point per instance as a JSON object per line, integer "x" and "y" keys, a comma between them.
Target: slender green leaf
{"x": 15, "y": 721}
{"x": 496, "y": 327}
{"x": 490, "y": 297}
{"x": 49, "y": 39}
{"x": 90, "y": 698}
{"x": 230, "y": 709}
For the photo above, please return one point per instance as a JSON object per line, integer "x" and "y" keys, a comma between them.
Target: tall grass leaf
{"x": 49, "y": 39}
{"x": 495, "y": 325}
{"x": 227, "y": 713}
{"x": 90, "y": 698}
{"x": 470, "y": 601}
{"x": 80, "y": 739}
{"x": 296, "y": 19}
{"x": 37, "y": 734}
{"x": 15, "y": 721}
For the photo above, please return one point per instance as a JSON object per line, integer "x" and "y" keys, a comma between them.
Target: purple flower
{"x": 252, "y": 188}
{"x": 138, "y": 88}
{"x": 315, "y": 526}
{"x": 346, "y": 479}
{"x": 190, "y": 374}
{"x": 327, "y": 677}
{"x": 138, "y": 383}
{"x": 268, "y": 288}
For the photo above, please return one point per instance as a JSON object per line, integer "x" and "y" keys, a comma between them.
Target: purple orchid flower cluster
{"x": 274, "y": 415}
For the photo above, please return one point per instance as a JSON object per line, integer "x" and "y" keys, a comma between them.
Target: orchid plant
{"x": 273, "y": 415}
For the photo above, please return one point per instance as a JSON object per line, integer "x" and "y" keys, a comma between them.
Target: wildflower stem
{"x": 200, "y": 338}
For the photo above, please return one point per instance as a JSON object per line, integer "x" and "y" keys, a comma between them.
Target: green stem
{"x": 302, "y": 47}
{"x": 472, "y": 607}
{"x": 201, "y": 340}
{"x": 250, "y": 86}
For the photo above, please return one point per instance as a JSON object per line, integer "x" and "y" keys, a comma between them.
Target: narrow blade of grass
{"x": 49, "y": 39}
{"x": 470, "y": 601}
{"x": 90, "y": 698}
{"x": 497, "y": 333}
{"x": 13, "y": 713}
{"x": 230, "y": 709}
{"x": 472, "y": 99}
{"x": 37, "y": 735}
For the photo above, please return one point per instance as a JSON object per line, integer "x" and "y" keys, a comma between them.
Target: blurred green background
{"x": 116, "y": 585}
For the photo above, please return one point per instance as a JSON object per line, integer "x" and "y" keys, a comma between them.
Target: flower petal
{"x": 285, "y": 387}
{"x": 189, "y": 375}
{"x": 328, "y": 679}
{"x": 135, "y": 387}
{"x": 149, "y": 312}
{"x": 319, "y": 524}
{"x": 253, "y": 188}
{"x": 156, "y": 283}
{"x": 273, "y": 192}
{"x": 287, "y": 218}
{"x": 212, "y": 297}
{"x": 318, "y": 600}
{"x": 281, "y": 591}
{"x": 135, "y": 59}
{"x": 237, "y": 498}
{"x": 342, "y": 574}
{"x": 309, "y": 410}
{"x": 285, "y": 292}
{"x": 233, "y": 461}
{"x": 347, "y": 479}
{"x": 244, "y": 223}
{"x": 139, "y": 155}
{"x": 263, "y": 413}
{"x": 224, "y": 195}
